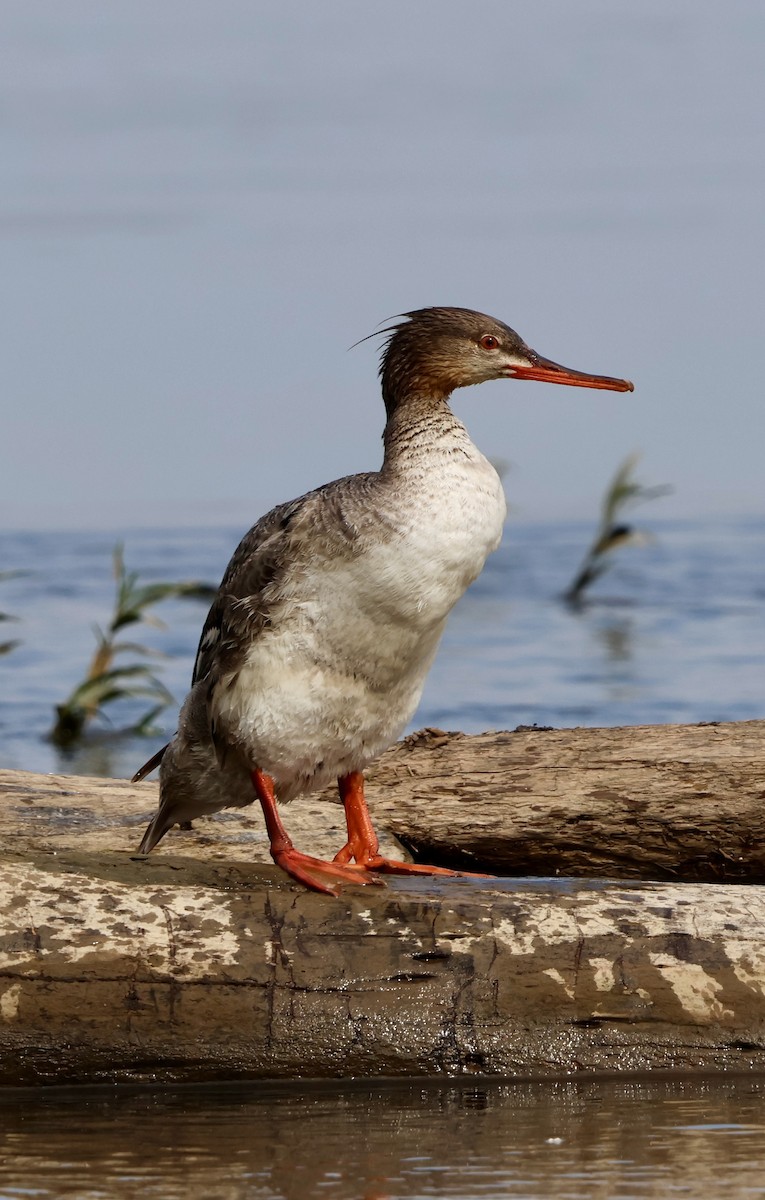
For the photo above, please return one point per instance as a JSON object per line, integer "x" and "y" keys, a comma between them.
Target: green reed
{"x": 6, "y": 647}
{"x": 613, "y": 531}
{"x": 107, "y": 680}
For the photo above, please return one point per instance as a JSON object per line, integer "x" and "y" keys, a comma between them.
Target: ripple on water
{"x": 696, "y": 1138}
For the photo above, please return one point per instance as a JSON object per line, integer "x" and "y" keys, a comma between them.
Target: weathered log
{"x": 651, "y": 802}
{"x": 174, "y": 969}
{"x": 675, "y": 802}
{"x": 199, "y": 962}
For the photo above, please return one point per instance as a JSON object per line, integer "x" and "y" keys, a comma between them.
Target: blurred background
{"x": 203, "y": 206}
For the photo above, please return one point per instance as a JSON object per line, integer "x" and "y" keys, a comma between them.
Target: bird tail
{"x": 156, "y": 830}
{"x": 160, "y": 824}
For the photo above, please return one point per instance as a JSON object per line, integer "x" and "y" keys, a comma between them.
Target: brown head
{"x": 435, "y": 350}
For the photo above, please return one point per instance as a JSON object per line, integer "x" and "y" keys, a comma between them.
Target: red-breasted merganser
{"x": 314, "y": 654}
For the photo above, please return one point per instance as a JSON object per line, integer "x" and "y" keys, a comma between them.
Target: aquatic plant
{"x": 6, "y": 647}
{"x": 613, "y": 531}
{"x": 106, "y": 680}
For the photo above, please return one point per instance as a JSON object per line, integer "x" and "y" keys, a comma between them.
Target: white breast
{"x": 446, "y": 537}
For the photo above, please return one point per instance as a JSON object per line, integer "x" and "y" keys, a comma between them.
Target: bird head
{"x": 433, "y": 351}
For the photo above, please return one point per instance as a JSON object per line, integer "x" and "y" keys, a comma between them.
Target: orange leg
{"x": 362, "y": 844}
{"x": 315, "y": 873}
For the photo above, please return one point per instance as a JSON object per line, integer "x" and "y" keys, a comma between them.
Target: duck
{"x": 315, "y": 651}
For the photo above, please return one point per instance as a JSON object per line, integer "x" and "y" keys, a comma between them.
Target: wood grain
{"x": 202, "y": 962}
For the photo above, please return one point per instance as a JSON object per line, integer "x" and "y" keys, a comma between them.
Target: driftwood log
{"x": 647, "y": 802}
{"x": 201, "y": 962}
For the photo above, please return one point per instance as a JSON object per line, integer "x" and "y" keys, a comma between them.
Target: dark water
{"x": 620, "y": 1140}
{"x": 676, "y": 632}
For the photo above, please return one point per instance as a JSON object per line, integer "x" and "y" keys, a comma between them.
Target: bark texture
{"x": 674, "y": 802}
{"x": 651, "y": 802}
{"x": 184, "y": 970}
{"x": 199, "y": 962}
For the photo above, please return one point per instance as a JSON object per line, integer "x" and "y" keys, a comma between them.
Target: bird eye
{"x": 489, "y": 342}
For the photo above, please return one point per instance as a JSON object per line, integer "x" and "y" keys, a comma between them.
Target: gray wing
{"x": 323, "y": 523}
{"x": 257, "y": 565}
{"x": 327, "y": 520}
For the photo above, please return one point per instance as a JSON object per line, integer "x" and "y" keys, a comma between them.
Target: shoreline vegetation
{"x": 107, "y": 680}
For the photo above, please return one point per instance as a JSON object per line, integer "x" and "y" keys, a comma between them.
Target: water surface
{"x": 569, "y": 1141}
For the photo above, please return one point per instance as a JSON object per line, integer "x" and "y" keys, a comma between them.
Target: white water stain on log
{"x": 554, "y": 924}
{"x": 68, "y": 917}
{"x": 556, "y": 976}
{"x": 694, "y": 987}
{"x": 603, "y": 974}
{"x": 522, "y": 934}
{"x": 9, "y": 1002}
{"x": 684, "y": 923}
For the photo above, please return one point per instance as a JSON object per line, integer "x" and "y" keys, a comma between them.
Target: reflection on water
{"x": 615, "y": 638}
{"x": 101, "y": 753}
{"x": 690, "y": 1138}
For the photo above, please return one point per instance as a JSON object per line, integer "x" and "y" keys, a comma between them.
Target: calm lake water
{"x": 568, "y": 1141}
{"x": 675, "y": 632}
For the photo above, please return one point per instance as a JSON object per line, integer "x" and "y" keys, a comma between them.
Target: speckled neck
{"x": 421, "y": 429}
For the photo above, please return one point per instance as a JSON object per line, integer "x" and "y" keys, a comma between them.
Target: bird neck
{"x": 423, "y": 426}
